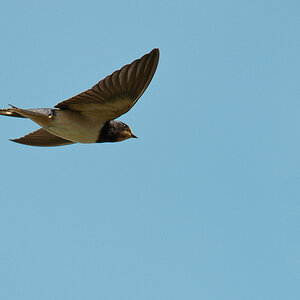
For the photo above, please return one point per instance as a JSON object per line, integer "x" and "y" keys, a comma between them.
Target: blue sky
{"x": 205, "y": 204}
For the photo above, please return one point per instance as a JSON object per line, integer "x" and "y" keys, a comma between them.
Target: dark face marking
{"x": 52, "y": 113}
{"x": 114, "y": 131}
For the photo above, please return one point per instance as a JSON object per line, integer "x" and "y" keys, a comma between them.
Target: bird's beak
{"x": 133, "y": 136}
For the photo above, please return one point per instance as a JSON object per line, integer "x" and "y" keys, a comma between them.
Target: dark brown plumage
{"x": 122, "y": 88}
{"x": 42, "y": 138}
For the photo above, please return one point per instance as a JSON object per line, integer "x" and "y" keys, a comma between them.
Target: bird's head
{"x": 123, "y": 131}
{"x": 115, "y": 131}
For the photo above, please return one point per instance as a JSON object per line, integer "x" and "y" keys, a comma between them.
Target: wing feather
{"x": 43, "y": 138}
{"x": 118, "y": 92}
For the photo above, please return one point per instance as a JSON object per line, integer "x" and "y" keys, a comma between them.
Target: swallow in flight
{"x": 89, "y": 117}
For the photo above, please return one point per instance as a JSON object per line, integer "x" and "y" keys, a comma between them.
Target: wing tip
{"x": 155, "y": 50}
{"x": 17, "y": 141}
{"x": 20, "y": 141}
{"x": 155, "y": 53}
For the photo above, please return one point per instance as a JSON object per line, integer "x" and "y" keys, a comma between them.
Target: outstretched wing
{"x": 118, "y": 92}
{"x": 42, "y": 138}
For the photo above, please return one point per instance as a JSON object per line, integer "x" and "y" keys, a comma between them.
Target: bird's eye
{"x": 124, "y": 125}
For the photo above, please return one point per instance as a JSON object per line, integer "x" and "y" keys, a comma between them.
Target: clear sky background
{"x": 205, "y": 204}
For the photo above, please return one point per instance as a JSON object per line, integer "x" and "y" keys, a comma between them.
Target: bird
{"x": 90, "y": 117}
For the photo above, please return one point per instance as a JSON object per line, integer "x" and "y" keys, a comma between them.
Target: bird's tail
{"x": 41, "y": 116}
{"x": 10, "y": 112}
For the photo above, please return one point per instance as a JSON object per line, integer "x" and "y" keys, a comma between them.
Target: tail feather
{"x": 10, "y": 113}
{"x": 41, "y": 116}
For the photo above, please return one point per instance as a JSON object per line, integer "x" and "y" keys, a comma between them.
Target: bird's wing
{"x": 42, "y": 138}
{"x": 118, "y": 92}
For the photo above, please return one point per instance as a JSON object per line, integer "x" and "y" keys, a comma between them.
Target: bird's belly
{"x": 72, "y": 126}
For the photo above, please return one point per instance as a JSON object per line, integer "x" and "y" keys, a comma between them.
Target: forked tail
{"x": 10, "y": 112}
